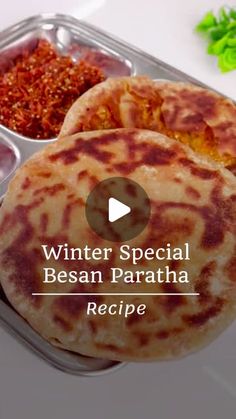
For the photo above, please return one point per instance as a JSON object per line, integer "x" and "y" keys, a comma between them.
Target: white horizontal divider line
{"x": 115, "y": 293}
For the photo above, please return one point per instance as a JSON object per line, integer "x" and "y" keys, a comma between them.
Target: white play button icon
{"x": 117, "y": 210}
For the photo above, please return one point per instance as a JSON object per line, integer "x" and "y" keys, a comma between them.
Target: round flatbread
{"x": 195, "y": 116}
{"x": 193, "y": 201}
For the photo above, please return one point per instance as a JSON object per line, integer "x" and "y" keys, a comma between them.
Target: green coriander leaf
{"x": 207, "y": 22}
{"x": 217, "y": 32}
{"x": 231, "y": 25}
{"x": 223, "y": 16}
{"x": 227, "y": 60}
{"x": 232, "y": 13}
{"x": 231, "y": 42}
{"x": 216, "y": 48}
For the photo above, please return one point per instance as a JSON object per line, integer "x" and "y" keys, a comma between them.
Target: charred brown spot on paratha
{"x": 215, "y": 217}
{"x": 143, "y": 338}
{"x": 203, "y": 316}
{"x": 214, "y": 231}
{"x": 74, "y": 306}
{"x": 21, "y": 261}
{"x": 200, "y": 172}
{"x": 156, "y": 156}
{"x": 203, "y": 173}
{"x": 45, "y": 174}
{"x": 67, "y": 211}
{"x": 86, "y": 175}
{"x": 26, "y": 183}
{"x": 94, "y": 326}
{"x": 91, "y": 148}
{"x": 178, "y": 180}
{"x": 24, "y": 276}
{"x": 171, "y": 303}
{"x": 230, "y": 269}
{"x": 62, "y": 323}
{"x": 193, "y": 193}
{"x": 166, "y": 334}
{"x": 163, "y": 334}
{"x": 164, "y": 228}
{"x": 133, "y": 319}
{"x": 175, "y": 265}
{"x": 202, "y": 286}
{"x": 200, "y": 105}
{"x": 7, "y": 223}
{"x": 50, "y": 190}
{"x": 44, "y": 221}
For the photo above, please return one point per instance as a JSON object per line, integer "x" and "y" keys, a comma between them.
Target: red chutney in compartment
{"x": 40, "y": 87}
{"x": 7, "y": 160}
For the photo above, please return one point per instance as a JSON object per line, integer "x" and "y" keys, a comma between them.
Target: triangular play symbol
{"x": 117, "y": 210}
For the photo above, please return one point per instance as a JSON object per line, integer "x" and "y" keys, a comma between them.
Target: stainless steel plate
{"x": 63, "y": 32}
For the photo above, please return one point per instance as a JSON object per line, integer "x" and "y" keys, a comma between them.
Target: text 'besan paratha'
{"x": 192, "y": 200}
{"x": 195, "y": 116}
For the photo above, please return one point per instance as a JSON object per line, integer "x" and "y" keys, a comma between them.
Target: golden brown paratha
{"x": 195, "y": 116}
{"x": 193, "y": 201}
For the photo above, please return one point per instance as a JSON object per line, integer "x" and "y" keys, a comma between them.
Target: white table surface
{"x": 164, "y": 28}
{"x": 201, "y": 386}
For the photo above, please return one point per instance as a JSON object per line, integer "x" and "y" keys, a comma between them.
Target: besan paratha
{"x": 195, "y": 116}
{"x": 193, "y": 201}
